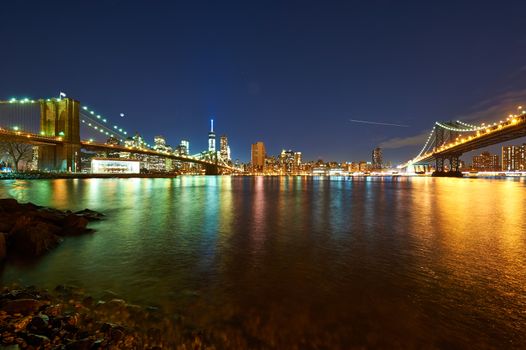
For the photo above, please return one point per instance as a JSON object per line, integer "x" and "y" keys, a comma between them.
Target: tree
{"x": 17, "y": 152}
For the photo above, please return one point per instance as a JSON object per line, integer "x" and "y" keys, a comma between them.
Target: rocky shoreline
{"x": 28, "y": 230}
{"x": 67, "y": 318}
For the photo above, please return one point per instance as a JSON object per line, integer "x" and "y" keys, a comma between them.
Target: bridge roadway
{"x": 511, "y": 129}
{"x": 38, "y": 139}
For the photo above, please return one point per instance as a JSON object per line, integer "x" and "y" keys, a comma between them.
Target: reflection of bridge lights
{"x": 15, "y": 128}
{"x": 61, "y": 133}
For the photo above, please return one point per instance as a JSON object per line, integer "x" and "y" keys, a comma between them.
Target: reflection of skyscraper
{"x": 224, "y": 149}
{"x": 211, "y": 137}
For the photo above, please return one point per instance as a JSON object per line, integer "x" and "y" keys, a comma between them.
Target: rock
{"x": 91, "y": 215}
{"x": 82, "y": 344}
{"x": 8, "y": 205}
{"x": 21, "y": 324}
{"x": 37, "y": 340}
{"x": 22, "y": 306}
{"x": 39, "y": 324}
{"x": 3, "y": 246}
{"x": 28, "y": 238}
{"x": 74, "y": 225}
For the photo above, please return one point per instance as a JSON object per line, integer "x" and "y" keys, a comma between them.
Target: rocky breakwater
{"x": 28, "y": 230}
{"x": 67, "y": 318}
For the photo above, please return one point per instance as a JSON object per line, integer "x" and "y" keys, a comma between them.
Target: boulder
{"x": 3, "y": 246}
{"x": 74, "y": 225}
{"x": 31, "y": 239}
{"x": 9, "y": 205}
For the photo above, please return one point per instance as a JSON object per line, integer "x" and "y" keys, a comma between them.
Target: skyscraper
{"x": 486, "y": 162}
{"x": 258, "y": 156}
{"x": 211, "y": 137}
{"x": 514, "y": 158}
{"x": 224, "y": 149}
{"x": 377, "y": 160}
{"x": 509, "y": 161}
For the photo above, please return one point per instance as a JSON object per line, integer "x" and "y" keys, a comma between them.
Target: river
{"x": 302, "y": 262}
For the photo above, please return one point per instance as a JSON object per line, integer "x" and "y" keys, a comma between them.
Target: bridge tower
{"x": 60, "y": 118}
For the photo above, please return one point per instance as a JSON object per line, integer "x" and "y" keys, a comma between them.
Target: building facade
{"x": 377, "y": 159}
{"x": 486, "y": 162}
{"x": 258, "y": 155}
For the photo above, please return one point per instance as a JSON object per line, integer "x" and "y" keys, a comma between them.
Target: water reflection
{"x": 300, "y": 261}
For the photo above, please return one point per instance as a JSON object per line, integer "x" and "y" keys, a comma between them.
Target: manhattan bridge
{"x": 64, "y": 130}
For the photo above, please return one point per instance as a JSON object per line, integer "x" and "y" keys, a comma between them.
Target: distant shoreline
{"x": 49, "y": 176}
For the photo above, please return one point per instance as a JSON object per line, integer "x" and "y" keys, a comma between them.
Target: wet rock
{"x": 22, "y": 306}
{"x": 32, "y": 230}
{"x": 90, "y": 215}
{"x": 8, "y": 205}
{"x": 39, "y": 324}
{"x": 82, "y": 344}
{"x": 74, "y": 225}
{"x": 28, "y": 238}
{"x": 37, "y": 340}
{"x": 20, "y": 324}
{"x": 3, "y": 246}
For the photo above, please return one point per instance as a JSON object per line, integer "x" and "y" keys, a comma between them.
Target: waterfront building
{"x": 486, "y": 162}
{"x": 114, "y": 166}
{"x": 258, "y": 155}
{"x": 514, "y": 158}
{"x": 298, "y": 168}
{"x": 509, "y": 161}
{"x": 286, "y": 162}
{"x": 377, "y": 159}
{"x": 364, "y": 166}
{"x": 211, "y": 137}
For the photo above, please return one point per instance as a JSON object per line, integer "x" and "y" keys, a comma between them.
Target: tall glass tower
{"x": 211, "y": 137}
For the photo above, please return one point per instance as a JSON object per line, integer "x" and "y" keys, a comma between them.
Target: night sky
{"x": 289, "y": 73}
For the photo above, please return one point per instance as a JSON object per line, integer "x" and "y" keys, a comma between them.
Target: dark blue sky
{"x": 289, "y": 73}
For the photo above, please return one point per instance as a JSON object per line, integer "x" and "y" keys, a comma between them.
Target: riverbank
{"x": 43, "y": 175}
{"x": 67, "y": 318}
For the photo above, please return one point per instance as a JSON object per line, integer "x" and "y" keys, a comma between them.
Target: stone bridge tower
{"x": 60, "y": 118}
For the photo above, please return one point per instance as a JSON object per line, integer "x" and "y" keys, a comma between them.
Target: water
{"x": 303, "y": 262}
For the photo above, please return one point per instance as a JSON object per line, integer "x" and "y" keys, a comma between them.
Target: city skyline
{"x": 344, "y": 67}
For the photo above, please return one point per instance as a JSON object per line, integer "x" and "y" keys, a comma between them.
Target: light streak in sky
{"x": 377, "y": 123}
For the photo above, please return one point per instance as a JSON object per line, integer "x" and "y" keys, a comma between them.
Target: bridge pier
{"x": 454, "y": 167}
{"x": 211, "y": 169}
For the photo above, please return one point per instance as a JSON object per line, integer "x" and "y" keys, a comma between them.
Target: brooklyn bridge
{"x": 62, "y": 129}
